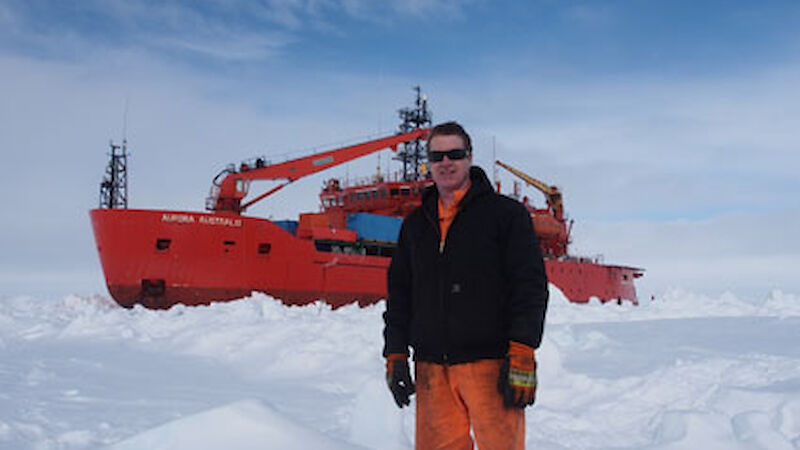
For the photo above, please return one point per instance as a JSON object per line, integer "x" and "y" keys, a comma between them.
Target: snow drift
{"x": 685, "y": 371}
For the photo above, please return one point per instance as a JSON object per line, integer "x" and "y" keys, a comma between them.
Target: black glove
{"x": 398, "y": 377}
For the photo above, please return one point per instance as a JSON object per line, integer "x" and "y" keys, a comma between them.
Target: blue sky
{"x": 670, "y": 126}
{"x": 415, "y": 38}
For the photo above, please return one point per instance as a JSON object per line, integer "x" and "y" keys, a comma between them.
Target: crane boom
{"x": 229, "y": 193}
{"x": 551, "y": 193}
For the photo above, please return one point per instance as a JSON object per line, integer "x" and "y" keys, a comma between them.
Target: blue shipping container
{"x": 374, "y": 227}
{"x": 288, "y": 225}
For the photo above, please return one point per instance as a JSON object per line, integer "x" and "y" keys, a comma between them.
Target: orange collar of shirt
{"x": 446, "y": 215}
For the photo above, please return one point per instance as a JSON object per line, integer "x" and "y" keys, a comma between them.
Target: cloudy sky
{"x": 672, "y": 127}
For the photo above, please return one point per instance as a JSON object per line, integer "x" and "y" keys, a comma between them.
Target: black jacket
{"x": 486, "y": 287}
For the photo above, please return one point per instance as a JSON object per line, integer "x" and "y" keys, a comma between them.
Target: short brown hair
{"x": 451, "y": 128}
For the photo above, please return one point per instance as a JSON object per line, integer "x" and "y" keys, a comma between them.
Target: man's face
{"x": 449, "y": 175}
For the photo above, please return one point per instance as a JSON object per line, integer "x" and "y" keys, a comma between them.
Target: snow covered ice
{"x": 684, "y": 372}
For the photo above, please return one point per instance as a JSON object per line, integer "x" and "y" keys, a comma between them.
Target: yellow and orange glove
{"x": 517, "y": 381}
{"x": 398, "y": 377}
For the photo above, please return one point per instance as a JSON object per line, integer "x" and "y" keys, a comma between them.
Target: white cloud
{"x": 218, "y": 34}
{"x": 425, "y": 7}
{"x": 219, "y": 30}
{"x": 226, "y": 46}
{"x": 384, "y": 12}
{"x": 745, "y": 253}
{"x": 650, "y": 147}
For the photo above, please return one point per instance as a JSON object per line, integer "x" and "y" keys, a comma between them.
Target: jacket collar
{"x": 479, "y": 186}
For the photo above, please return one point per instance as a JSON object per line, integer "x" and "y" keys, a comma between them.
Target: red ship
{"x": 159, "y": 258}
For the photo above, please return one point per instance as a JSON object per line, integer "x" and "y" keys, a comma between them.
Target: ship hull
{"x": 580, "y": 280}
{"x": 161, "y": 258}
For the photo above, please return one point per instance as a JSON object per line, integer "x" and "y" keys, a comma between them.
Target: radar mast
{"x": 114, "y": 187}
{"x": 414, "y": 153}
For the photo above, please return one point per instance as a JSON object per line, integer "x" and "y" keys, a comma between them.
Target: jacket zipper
{"x": 440, "y": 280}
{"x": 443, "y": 304}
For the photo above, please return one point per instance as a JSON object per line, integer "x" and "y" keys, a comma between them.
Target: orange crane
{"x": 551, "y": 227}
{"x": 551, "y": 193}
{"x": 227, "y": 194}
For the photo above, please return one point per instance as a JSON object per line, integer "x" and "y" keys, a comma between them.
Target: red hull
{"x": 581, "y": 280}
{"x": 160, "y": 258}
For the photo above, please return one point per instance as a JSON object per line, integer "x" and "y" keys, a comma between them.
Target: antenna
{"x": 125, "y": 119}
{"x": 380, "y": 98}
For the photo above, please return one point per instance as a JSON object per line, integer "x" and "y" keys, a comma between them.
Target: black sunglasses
{"x": 452, "y": 155}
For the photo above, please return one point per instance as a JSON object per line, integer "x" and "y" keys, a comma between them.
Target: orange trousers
{"x": 453, "y": 399}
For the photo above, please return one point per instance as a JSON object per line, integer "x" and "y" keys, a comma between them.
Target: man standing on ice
{"x": 468, "y": 292}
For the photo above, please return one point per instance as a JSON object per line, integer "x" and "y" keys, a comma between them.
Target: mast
{"x": 114, "y": 187}
{"x": 414, "y": 153}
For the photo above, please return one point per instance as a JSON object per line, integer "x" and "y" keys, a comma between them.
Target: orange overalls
{"x": 451, "y": 399}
